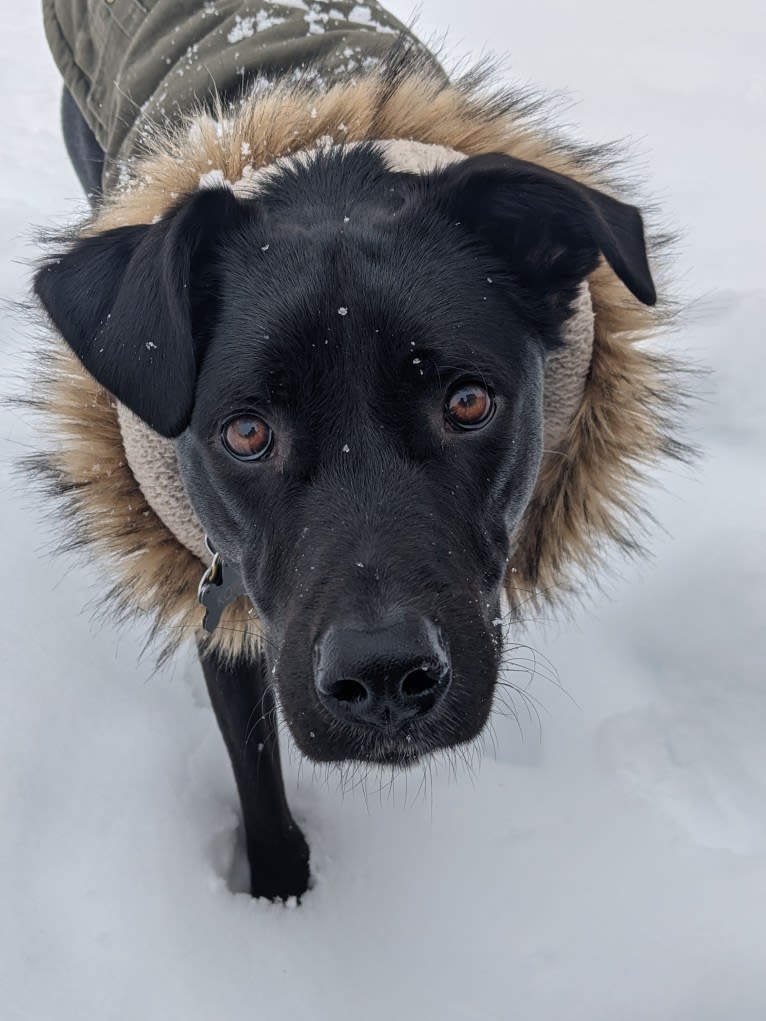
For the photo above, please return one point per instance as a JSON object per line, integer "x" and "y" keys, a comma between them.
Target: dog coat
{"x": 133, "y": 65}
{"x": 345, "y": 73}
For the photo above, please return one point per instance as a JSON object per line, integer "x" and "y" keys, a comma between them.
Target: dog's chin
{"x": 398, "y": 749}
{"x": 393, "y": 757}
{"x": 397, "y": 756}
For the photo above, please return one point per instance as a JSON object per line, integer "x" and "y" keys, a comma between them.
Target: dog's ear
{"x": 548, "y": 229}
{"x": 123, "y": 301}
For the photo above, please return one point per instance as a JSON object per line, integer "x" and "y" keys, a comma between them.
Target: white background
{"x": 606, "y": 865}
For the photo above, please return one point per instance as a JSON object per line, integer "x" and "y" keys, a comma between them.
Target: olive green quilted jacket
{"x": 131, "y": 64}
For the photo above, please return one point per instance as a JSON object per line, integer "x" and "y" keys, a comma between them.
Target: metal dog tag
{"x": 219, "y": 586}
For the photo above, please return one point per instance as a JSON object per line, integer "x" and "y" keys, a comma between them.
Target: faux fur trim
{"x": 587, "y": 490}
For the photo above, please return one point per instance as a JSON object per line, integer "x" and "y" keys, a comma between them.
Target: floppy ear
{"x": 548, "y": 228}
{"x": 123, "y": 301}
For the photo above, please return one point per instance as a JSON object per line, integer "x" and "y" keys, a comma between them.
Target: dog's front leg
{"x": 243, "y": 703}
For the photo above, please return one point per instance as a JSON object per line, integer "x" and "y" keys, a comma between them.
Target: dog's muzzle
{"x": 383, "y": 677}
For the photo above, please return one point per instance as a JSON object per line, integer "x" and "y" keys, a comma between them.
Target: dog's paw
{"x": 280, "y": 871}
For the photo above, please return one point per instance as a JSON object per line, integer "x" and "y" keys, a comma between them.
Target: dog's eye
{"x": 469, "y": 406}
{"x": 247, "y": 437}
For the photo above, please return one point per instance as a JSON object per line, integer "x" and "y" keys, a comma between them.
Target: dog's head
{"x": 351, "y": 364}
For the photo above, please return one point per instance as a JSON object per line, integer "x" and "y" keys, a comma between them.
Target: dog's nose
{"x": 383, "y": 676}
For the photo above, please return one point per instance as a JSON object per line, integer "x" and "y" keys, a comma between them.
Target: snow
{"x": 605, "y": 861}
{"x": 245, "y": 28}
{"x": 362, "y": 14}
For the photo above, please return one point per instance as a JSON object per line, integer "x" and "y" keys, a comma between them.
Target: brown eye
{"x": 469, "y": 406}
{"x": 247, "y": 437}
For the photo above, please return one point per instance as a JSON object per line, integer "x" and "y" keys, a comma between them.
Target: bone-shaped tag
{"x": 221, "y": 584}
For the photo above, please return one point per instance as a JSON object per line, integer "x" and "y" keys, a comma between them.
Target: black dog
{"x": 352, "y": 364}
{"x": 351, "y": 359}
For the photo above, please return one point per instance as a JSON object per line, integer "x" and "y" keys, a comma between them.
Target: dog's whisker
{"x": 533, "y": 672}
{"x": 532, "y": 705}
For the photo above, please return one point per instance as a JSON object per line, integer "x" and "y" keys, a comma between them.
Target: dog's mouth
{"x": 395, "y": 753}
{"x": 400, "y": 750}
{"x": 399, "y": 747}
{"x": 399, "y": 760}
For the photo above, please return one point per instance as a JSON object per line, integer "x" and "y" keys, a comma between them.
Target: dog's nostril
{"x": 418, "y": 682}
{"x": 381, "y": 676}
{"x": 348, "y": 690}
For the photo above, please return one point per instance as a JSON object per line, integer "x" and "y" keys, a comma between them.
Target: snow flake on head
{"x": 342, "y": 311}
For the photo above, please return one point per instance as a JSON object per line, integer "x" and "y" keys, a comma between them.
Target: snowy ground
{"x": 608, "y": 867}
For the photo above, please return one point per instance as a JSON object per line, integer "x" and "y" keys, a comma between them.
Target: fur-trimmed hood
{"x": 608, "y": 397}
